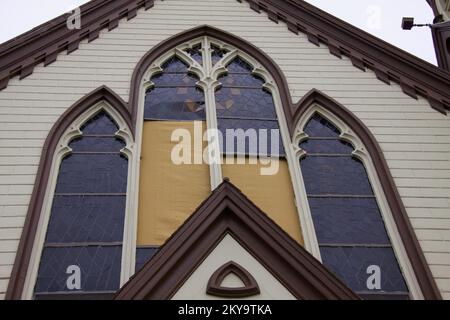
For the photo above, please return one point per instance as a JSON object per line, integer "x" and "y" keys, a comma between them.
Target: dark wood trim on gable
{"x": 23, "y": 255}
{"x": 415, "y": 76}
{"x": 19, "y": 56}
{"x": 228, "y": 211}
{"x": 407, "y": 234}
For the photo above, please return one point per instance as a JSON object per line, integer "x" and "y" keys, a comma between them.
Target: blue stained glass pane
{"x": 93, "y": 173}
{"x": 348, "y": 221}
{"x": 99, "y": 266}
{"x": 175, "y": 104}
{"x": 217, "y": 54}
{"x": 143, "y": 255}
{"x": 100, "y": 124}
{"x": 250, "y": 103}
{"x": 174, "y": 79}
{"x": 97, "y": 144}
{"x": 319, "y": 127}
{"x": 257, "y": 141}
{"x": 241, "y": 80}
{"x": 335, "y": 175}
{"x": 174, "y": 64}
{"x": 196, "y": 53}
{"x": 326, "y": 146}
{"x": 350, "y": 265}
{"x": 76, "y": 219}
{"x": 238, "y": 65}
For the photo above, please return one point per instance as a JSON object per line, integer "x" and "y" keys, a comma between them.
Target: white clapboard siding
{"x": 414, "y": 137}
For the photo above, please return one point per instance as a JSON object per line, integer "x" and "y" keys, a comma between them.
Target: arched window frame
{"x": 209, "y": 83}
{"x": 360, "y": 152}
{"x": 62, "y": 150}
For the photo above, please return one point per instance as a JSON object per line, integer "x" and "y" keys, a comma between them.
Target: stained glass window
{"x": 174, "y": 95}
{"x": 196, "y": 53}
{"x": 243, "y": 104}
{"x": 87, "y": 216}
{"x": 217, "y": 54}
{"x": 347, "y": 219}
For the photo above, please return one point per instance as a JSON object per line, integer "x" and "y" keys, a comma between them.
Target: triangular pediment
{"x": 228, "y": 212}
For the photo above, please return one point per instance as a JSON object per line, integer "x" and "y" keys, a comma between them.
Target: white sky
{"x": 381, "y": 18}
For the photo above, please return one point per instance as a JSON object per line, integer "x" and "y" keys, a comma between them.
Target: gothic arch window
{"x": 80, "y": 241}
{"x": 352, "y": 223}
{"x": 210, "y": 82}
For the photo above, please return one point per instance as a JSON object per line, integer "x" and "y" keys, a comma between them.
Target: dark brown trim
{"x": 19, "y": 56}
{"x": 407, "y": 234}
{"x": 215, "y": 288}
{"x": 19, "y": 272}
{"x": 228, "y": 211}
{"x": 416, "y": 77}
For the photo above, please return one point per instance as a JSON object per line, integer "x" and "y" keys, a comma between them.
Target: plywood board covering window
{"x": 273, "y": 194}
{"x": 168, "y": 193}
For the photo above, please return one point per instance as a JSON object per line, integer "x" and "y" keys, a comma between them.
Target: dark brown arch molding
{"x": 22, "y": 260}
{"x": 408, "y": 236}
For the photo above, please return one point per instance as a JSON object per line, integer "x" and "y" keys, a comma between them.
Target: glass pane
{"x": 326, "y": 146}
{"x": 174, "y": 79}
{"x": 319, "y": 127}
{"x": 252, "y": 130}
{"x": 196, "y": 53}
{"x": 217, "y": 54}
{"x": 174, "y": 64}
{"x": 93, "y": 173}
{"x": 348, "y": 220}
{"x": 350, "y": 264}
{"x": 143, "y": 255}
{"x": 250, "y": 103}
{"x": 238, "y": 65}
{"x": 241, "y": 80}
{"x": 100, "y": 124}
{"x": 99, "y": 266}
{"x": 175, "y": 104}
{"x": 97, "y": 144}
{"x": 86, "y": 219}
{"x": 335, "y": 175}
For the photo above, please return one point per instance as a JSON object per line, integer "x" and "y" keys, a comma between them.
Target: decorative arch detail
{"x": 215, "y": 287}
{"x": 64, "y": 127}
{"x": 368, "y": 150}
{"x": 147, "y": 63}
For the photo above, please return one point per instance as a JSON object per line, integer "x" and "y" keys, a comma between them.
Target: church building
{"x": 222, "y": 149}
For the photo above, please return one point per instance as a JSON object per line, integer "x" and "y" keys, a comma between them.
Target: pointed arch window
{"x": 82, "y": 251}
{"x": 213, "y": 83}
{"x": 348, "y": 222}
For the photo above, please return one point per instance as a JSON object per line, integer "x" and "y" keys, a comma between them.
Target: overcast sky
{"x": 379, "y": 17}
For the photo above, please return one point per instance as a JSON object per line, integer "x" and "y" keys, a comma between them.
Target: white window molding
{"x": 362, "y": 154}
{"x": 61, "y": 152}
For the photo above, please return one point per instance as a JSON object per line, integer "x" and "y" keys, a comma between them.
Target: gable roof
{"x": 19, "y": 56}
{"x": 228, "y": 211}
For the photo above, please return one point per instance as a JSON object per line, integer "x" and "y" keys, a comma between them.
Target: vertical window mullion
{"x": 215, "y": 167}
